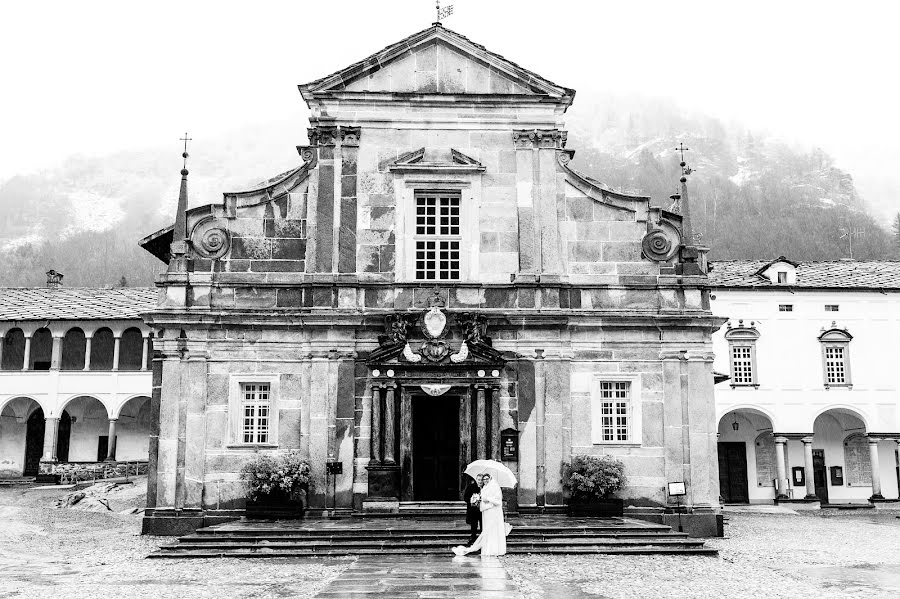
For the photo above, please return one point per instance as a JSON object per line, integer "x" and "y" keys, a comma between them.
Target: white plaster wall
{"x": 790, "y": 374}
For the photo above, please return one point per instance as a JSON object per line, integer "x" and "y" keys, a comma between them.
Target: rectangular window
{"x": 437, "y": 237}
{"x": 742, "y": 365}
{"x": 835, "y": 366}
{"x": 255, "y": 410}
{"x": 614, "y": 406}
{"x": 782, "y": 277}
{"x": 831, "y": 307}
{"x": 785, "y": 307}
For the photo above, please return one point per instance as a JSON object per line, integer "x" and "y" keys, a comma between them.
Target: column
{"x": 27, "y": 361}
{"x": 779, "y": 465}
{"x": 2, "y": 342}
{"x": 876, "y": 469}
{"x": 87, "y": 352}
{"x": 376, "y": 424}
{"x": 480, "y": 424}
{"x": 145, "y": 348}
{"x": 116, "y": 343}
{"x": 111, "y": 446}
{"x": 55, "y": 353}
{"x": 495, "y": 423}
{"x": 407, "y": 474}
{"x": 808, "y": 468}
{"x": 540, "y": 404}
{"x": 389, "y": 416}
{"x": 51, "y": 431}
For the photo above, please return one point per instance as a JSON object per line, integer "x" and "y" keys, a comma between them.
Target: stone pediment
{"x": 434, "y": 160}
{"x": 437, "y": 61}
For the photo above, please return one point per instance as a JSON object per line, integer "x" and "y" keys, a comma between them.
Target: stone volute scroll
{"x": 210, "y": 238}
{"x": 661, "y": 242}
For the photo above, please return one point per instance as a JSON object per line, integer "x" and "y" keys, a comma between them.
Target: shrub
{"x": 267, "y": 474}
{"x": 590, "y": 478}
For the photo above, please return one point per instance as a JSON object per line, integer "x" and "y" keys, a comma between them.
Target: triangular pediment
{"x": 435, "y": 160}
{"x": 437, "y": 61}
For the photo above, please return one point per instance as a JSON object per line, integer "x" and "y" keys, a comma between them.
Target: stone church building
{"x": 433, "y": 284}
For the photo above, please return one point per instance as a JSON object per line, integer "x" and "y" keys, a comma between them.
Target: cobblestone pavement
{"x": 48, "y": 553}
{"x": 415, "y": 577}
{"x": 833, "y": 555}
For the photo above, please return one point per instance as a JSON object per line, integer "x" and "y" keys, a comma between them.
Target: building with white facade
{"x": 811, "y": 411}
{"x": 75, "y": 381}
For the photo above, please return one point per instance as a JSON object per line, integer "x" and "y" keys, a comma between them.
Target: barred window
{"x": 785, "y": 307}
{"x": 832, "y": 307}
{"x": 614, "y": 407}
{"x": 742, "y": 365}
{"x": 255, "y": 412}
{"x": 437, "y": 237}
{"x": 835, "y": 368}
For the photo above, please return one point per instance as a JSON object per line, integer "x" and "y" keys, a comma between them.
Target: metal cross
{"x": 442, "y": 13}
{"x": 184, "y": 155}
{"x": 681, "y": 149}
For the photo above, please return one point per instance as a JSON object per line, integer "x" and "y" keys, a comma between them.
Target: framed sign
{"x": 798, "y": 476}
{"x": 334, "y": 467}
{"x": 677, "y": 489}
{"x": 837, "y": 476}
{"x": 509, "y": 445}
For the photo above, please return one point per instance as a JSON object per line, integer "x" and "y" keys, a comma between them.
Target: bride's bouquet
{"x": 476, "y": 499}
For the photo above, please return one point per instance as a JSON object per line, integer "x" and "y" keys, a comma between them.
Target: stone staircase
{"x": 410, "y": 535}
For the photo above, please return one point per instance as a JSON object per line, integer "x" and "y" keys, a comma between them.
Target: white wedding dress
{"x": 492, "y": 540}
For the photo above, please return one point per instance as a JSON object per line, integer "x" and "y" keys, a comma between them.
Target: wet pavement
{"x": 425, "y": 577}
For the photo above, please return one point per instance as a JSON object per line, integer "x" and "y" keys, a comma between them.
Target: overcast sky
{"x": 93, "y": 77}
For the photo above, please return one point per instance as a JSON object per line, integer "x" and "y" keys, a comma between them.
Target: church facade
{"x": 434, "y": 284}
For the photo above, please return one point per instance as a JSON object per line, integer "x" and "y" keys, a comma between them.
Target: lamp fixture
{"x": 735, "y": 425}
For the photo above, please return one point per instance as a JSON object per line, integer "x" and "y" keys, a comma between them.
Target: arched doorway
{"x": 133, "y": 430}
{"x": 842, "y": 469}
{"x": 83, "y": 430}
{"x": 746, "y": 457}
{"x": 64, "y": 434}
{"x": 34, "y": 442}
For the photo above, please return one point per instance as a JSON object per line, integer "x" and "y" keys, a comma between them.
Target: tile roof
{"x": 837, "y": 274}
{"x": 75, "y": 303}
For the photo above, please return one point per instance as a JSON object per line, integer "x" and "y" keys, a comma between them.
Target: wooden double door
{"x": 733, "y": 486}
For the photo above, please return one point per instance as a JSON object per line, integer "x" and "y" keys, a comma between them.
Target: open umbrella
{"x": 499, "y": 472}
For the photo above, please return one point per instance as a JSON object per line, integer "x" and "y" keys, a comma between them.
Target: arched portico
{"x": 86, "y": 440}
{"x": 746, "y": 451}
{"x": 129, "y": 430}
{"x": 21, "y": 437}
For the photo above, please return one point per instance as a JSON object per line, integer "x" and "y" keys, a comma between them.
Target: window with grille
{"x": 614, "y": 404}
{"x": 742, "y": 365}
{"x": 785, "y": 307}
{"x": 835, "y": 365}
{"x": 255, "y": 412}
{"x": 437, "y": 237}
{"x": 831, "y": 307}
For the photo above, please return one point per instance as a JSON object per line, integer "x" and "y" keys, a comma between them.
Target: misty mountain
{"x": 752, "y": 196}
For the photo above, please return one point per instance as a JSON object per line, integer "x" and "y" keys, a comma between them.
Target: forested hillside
{"x": 752, "y": 196}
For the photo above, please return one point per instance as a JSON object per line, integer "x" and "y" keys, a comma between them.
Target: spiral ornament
{"x": 661, "y": 243}
{"x": 210, "y": 238}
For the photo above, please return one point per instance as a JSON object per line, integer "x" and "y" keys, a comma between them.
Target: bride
{"x": 492, "y": 540}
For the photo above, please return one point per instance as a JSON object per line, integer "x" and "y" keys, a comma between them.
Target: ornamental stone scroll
{"x": 661, "y": 242}
{"x": 210, "y": 238}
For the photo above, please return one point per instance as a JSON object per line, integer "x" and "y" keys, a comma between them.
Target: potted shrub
{"x": 591, "y": 482}
{"x": 276, "y": 485}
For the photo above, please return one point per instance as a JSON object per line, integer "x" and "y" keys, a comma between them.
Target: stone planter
{"x": 274, "y": 506}
{"x": 597, "y": 508}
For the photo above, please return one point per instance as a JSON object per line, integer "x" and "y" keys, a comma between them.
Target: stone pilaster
{"x": 346, "y": 256}
{"x": 557, "y": 443}
{"x": 540, "y": 412}
{"x": 527, "y": 433}
{"x": 529, "y": 240}
{"x": 480, "y": 423}
{"x": 324, "y": 138}
{"x": 548, "y": 142}
{"x": 808, "y": 472}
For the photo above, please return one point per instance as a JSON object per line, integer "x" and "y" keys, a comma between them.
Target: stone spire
{"x": 693, "y": 256}
{"x": 687, "y": 230}
{"x": 180, "y": 233}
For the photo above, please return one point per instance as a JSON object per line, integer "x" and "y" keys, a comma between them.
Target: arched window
{"x": 102, "y": 348}
{"x": 742, "y": 354}
{"x": 13, "y": 350}
{"x": 73, "y": 347}
{"x": 131, "y": 349}
{"x": 836, "y": 356}
{"x": 41, "y": 350}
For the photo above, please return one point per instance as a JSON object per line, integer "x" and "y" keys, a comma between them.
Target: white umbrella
{"x": 499, "y": 472}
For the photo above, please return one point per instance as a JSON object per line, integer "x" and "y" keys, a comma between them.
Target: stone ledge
{"x": 885, "y": 504}
{"x": 800, "y": 504}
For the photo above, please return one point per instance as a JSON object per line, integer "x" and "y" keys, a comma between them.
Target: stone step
{"x": 410, "y": 536}
{"x": 334, "y": 552}
{"x": 287, "y": 530}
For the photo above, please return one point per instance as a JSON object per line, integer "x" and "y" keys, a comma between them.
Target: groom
{"x": 473, "y": 512}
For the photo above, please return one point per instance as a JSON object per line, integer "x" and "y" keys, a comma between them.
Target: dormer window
{"x": 836, "y": 356}
{"x": 780, "y": 271}
{"x": 742, "y": 354}
{"x": 782, "y": 277}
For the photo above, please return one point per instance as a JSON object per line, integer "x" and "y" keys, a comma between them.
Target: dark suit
{"x": 473, "y": 512}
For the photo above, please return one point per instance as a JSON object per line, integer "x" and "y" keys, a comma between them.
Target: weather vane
{"x": 442, "y": 13}
{"x": 184, "y": 154}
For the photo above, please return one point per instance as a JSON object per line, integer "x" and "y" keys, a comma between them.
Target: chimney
{"x": 54, "y": 279}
